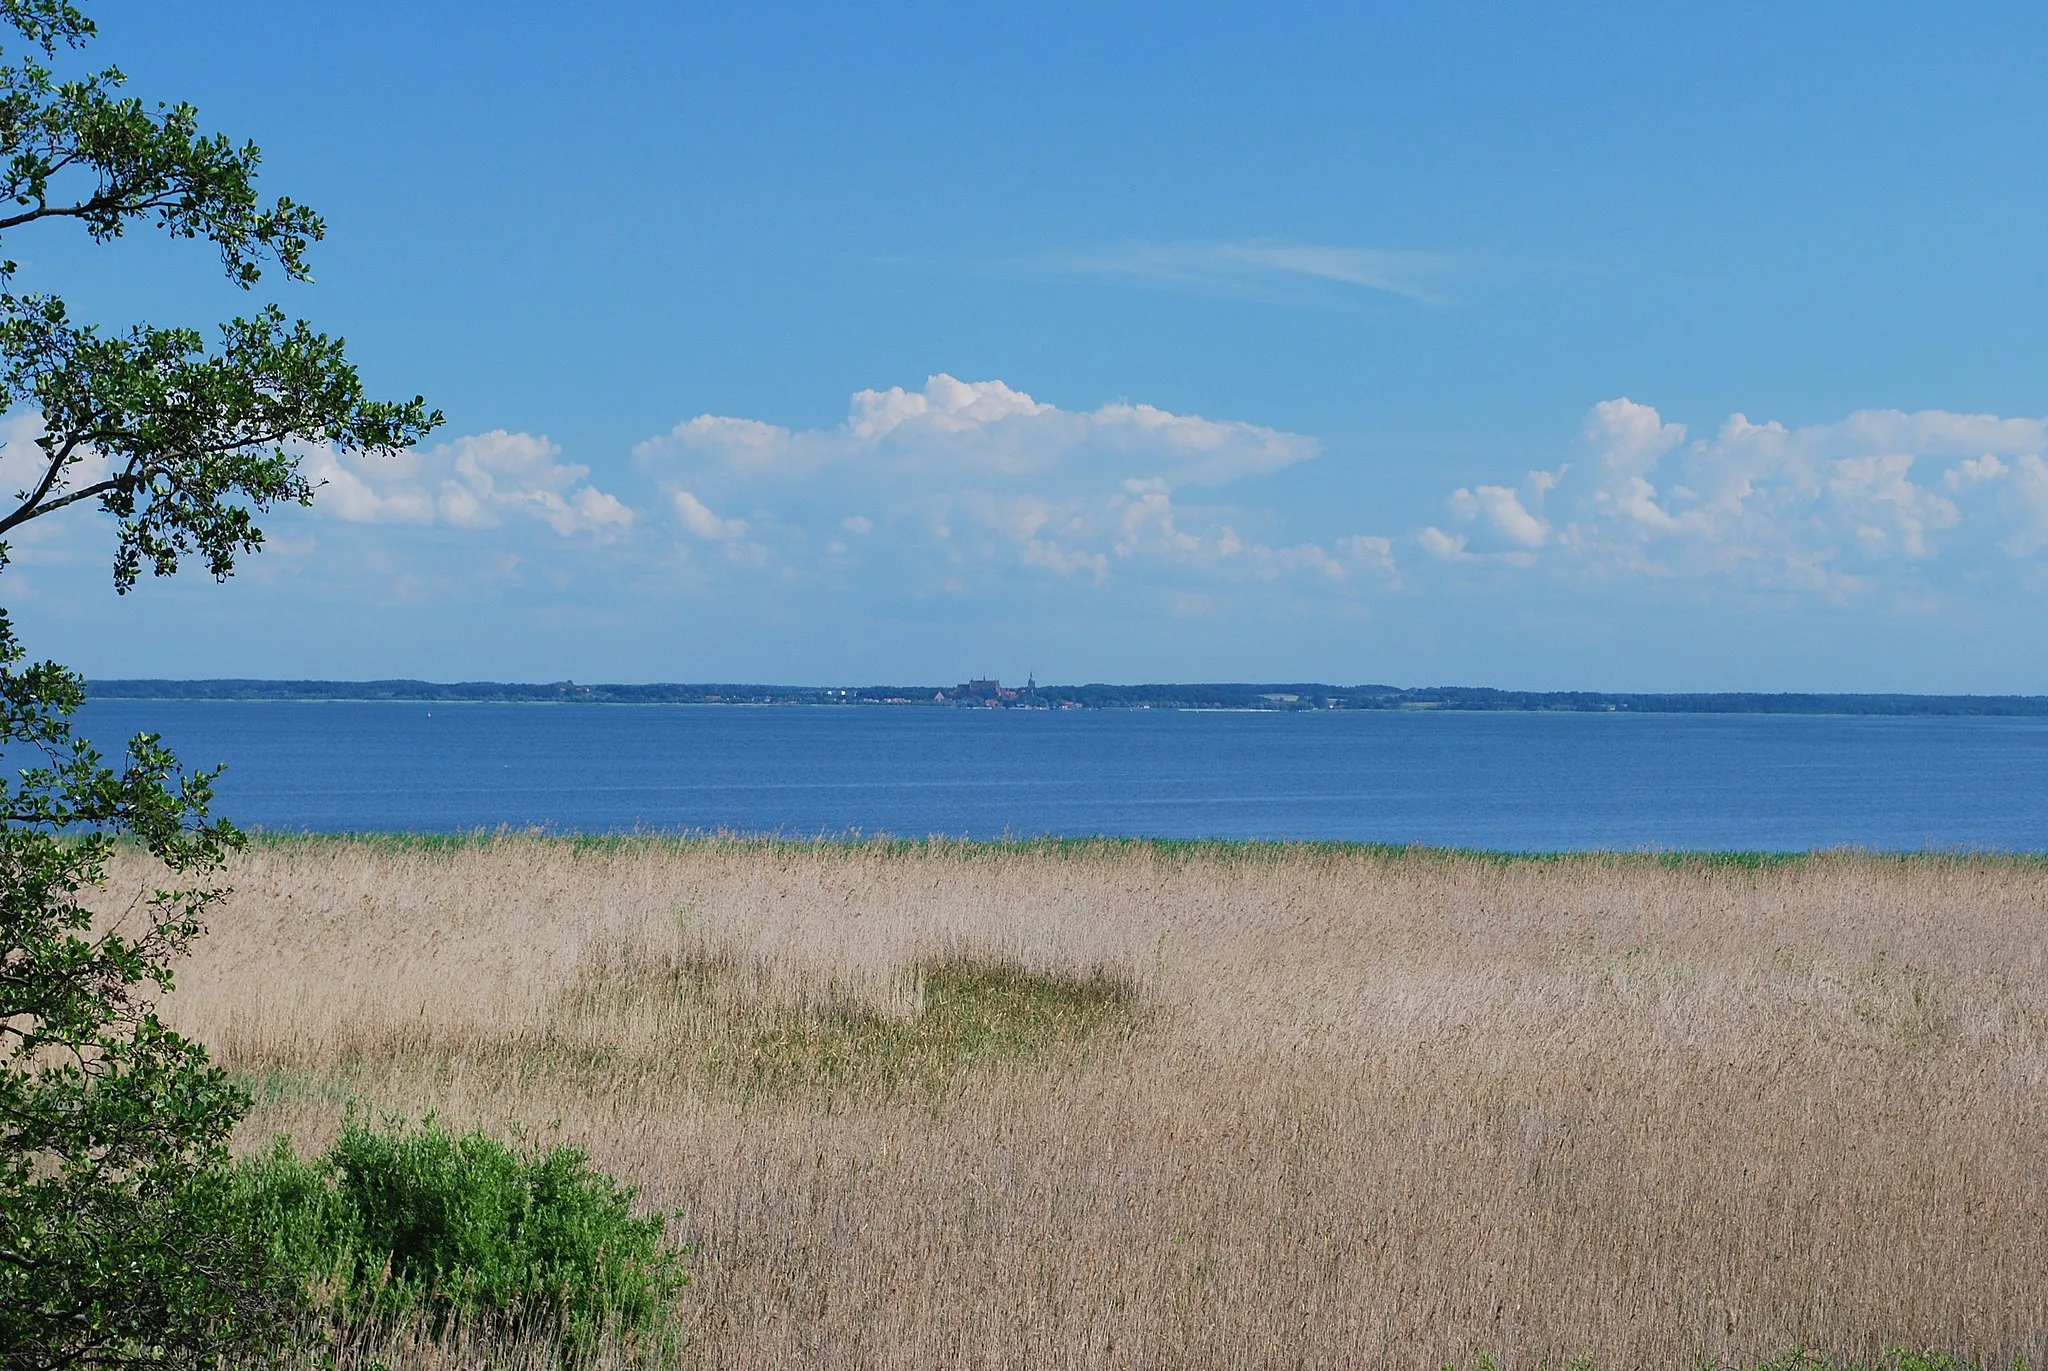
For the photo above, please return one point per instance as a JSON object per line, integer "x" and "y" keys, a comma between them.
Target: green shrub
{"x": 417, "y": 1221}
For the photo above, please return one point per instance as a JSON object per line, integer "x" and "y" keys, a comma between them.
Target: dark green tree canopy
{"x": 79, "y": 150}
{"x": 182, "y": 442}
{"x": 116, "y": 1244}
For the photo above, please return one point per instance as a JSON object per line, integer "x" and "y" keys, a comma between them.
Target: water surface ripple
{"x": 1507, "y": 781}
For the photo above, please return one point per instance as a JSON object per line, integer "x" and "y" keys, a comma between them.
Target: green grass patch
{"x": 973, "y": 1016}
{"x": 702, "y": 1021}
{"x": 962, "y": 1016}
{"x": 275, "y": 1086}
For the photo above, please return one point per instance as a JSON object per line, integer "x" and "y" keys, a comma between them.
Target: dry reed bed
{"x": 1373, "y": 1109}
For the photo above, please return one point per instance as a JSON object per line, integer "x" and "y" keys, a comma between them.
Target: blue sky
{"x": 1544, "y": 346}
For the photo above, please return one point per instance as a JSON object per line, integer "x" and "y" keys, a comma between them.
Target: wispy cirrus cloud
{"x": 1272, "y": 270}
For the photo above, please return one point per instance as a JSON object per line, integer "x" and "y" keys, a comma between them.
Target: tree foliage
{"x": 112, "y": 1127}
{"x": 115, "y": 1248}
{"x": 182, "y": 442}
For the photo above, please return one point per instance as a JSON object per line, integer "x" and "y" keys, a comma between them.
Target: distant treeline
{"x": 1221, "y": 695}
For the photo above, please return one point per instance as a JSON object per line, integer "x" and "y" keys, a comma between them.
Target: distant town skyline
{"x": 983, "y": 692}
{"x": 1584, "y": 347}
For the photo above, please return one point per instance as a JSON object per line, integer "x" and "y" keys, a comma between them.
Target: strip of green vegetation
{"x": 1890, "y": 1359}
{"x": 1187, "y": 850}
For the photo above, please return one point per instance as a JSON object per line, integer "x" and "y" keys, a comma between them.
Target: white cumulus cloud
{"x": 475, "y": 481}
{"x": 960, "y": 478}
{"x": 1880, "y": 495}
{"x": 698, "y": 518}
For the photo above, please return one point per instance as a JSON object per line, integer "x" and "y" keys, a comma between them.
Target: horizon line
{"x": 125, "y": 684}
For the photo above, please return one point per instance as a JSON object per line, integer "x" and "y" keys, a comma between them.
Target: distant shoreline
{"x": 1267, "y": 697}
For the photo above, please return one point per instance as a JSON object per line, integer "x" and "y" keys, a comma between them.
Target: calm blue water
{"x": 1515, "y": 781}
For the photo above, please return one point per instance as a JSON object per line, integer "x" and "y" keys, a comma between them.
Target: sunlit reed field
{"x": 1122, "y": 1104}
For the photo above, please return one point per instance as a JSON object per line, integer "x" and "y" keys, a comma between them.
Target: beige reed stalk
{"x": 1374, "y": 1111}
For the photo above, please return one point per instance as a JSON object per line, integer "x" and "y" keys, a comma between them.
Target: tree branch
{"x": 73, "y": 497}
{"x": 86, "y": 209}
{"x": 27, "y": 509}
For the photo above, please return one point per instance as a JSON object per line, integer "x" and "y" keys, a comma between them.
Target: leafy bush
{"x": 408, "y": 1221}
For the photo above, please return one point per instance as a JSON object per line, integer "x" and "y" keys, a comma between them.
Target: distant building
{"x": 983, "y": 690}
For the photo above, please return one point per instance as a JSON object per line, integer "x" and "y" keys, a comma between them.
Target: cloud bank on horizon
{"x": 965, "y": 498}
{"x": 943, "y": 489}
{"x": 928, "y": 492}
{"x": 1879, "y": 498}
